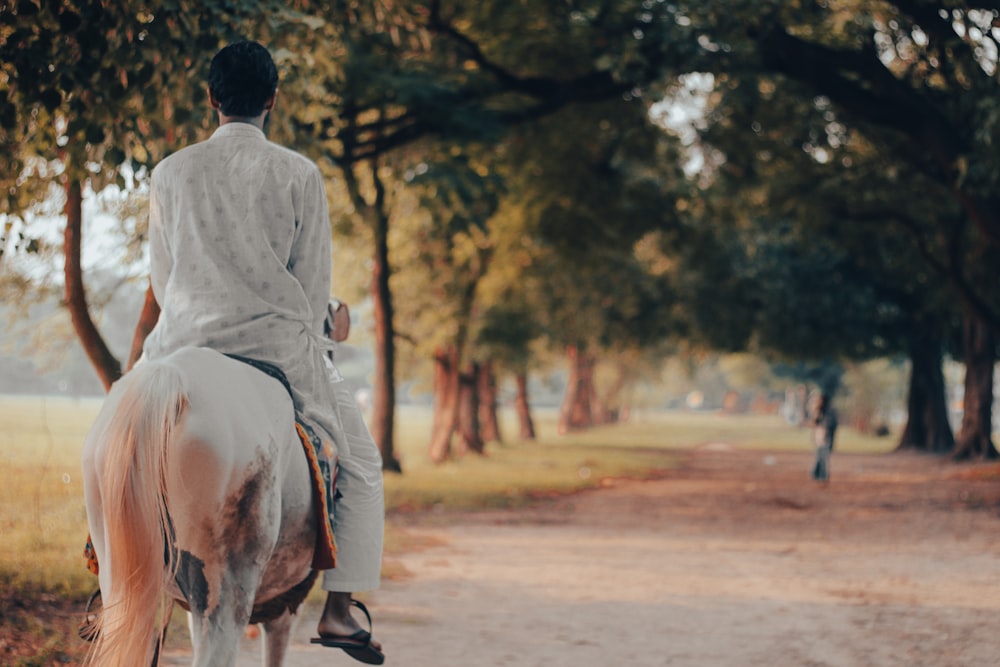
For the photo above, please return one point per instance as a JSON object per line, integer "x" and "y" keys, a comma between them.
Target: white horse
{"x": 198, "y": 490}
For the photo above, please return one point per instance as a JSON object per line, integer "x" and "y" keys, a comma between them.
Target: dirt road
{"x": 735, "y": 559}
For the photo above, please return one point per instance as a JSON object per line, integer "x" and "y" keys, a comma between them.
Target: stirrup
{"x": 89, "y": 629}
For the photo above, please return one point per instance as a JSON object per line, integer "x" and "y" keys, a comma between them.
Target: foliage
{"x": 586, "y": 186}
{"x": 838, "y": 195}
{"x": 76, "y": 114}
{"x": 815, "y": 232}
{"x": 77, "y": 102}
{"x": 448, "y": 246}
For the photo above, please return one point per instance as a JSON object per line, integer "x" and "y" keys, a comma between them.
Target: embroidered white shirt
{"x": 240, "y": 252}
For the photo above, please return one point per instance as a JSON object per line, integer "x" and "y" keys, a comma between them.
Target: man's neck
{"x": 256, "y": 121}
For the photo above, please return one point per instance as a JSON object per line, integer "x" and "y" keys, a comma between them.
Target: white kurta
{"x": 240, "y": 262}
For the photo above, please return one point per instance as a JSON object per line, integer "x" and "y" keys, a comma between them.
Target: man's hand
{"x": 338, "y": 320}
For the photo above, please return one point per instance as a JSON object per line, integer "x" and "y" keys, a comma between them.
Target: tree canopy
{"x": 830, "y": 196}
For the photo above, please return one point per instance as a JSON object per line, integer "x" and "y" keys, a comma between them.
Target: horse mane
{"x": 139, "y": 561}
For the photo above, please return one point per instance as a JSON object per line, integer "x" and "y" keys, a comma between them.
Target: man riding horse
{"x": 240, "y": 255}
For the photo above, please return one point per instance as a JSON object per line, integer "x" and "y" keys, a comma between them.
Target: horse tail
{"x": 139, "y": 558}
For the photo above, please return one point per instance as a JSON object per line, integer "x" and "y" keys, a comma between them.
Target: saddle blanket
{"x": 323, "y": 466}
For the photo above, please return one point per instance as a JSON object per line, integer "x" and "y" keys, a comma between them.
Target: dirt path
{"x": 736, "y": 559}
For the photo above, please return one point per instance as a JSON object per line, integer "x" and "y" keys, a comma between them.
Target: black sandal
{"x": 358, "y": 645}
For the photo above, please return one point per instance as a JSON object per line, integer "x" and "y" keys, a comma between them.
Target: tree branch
{"x": 951, "y": 269}
{"x": 107, "y": 366}
{"x": 860, "y": 84}
{"x": 952, "y": 48}
{"x": 534, "y": 86}
{"x": 885, "y": 100}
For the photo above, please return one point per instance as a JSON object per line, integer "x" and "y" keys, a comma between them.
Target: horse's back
{"x": 235, "y": 412}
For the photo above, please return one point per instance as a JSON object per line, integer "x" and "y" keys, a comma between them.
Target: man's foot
{"x": 338, "y": 629}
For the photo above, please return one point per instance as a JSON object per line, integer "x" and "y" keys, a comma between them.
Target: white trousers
{"x": 359, "y": 509}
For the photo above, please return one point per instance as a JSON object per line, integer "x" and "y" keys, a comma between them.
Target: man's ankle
{"x": 338, "y": 603}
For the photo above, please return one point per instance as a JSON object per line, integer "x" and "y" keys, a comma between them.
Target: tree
{"x": 913, "y": 68}
{"x": 590, "y": 182}
{"x": 823, "y": 236}
{"x": 77, "y": 112}
{"x": 908, "y": 77}
{"x": 450, "y": 249}
{"x": 979, "y": 342}
{"x": 507, "y": 326}
{"x": 388, "y": 75}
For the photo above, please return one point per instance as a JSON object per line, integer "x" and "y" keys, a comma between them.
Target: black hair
{"x": 242, "y": 78}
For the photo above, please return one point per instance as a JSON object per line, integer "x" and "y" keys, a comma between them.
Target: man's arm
{"x": 147, "y": 320}
{"x": 160, "y": 261}
{"x": 310, "y": 256}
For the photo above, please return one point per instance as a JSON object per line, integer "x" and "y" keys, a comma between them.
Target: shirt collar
{"x": 238, "y": 129}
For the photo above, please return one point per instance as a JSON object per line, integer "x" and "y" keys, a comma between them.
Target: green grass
{"x": 517, "y": 472}
{"x": 513, "y": 473}
{"x": 42, "y": 515}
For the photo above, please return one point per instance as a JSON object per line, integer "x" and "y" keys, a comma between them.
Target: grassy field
{"x": 516, "y": 472}
{"x": 44, "y": 523}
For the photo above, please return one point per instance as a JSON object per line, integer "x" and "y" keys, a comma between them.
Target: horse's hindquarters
{"x": 247, "y": 518}
{"x": 237, "y": 492}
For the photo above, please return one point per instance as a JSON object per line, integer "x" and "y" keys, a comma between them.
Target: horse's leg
{"x": 277, "y": 632}
{"x": 221, "y": 604}
{"x": 221, "y": 558}
{"x": 219, "y": 561}
{"x": 201, "y": 641}
{"x": 215, "y": 641}
{"x": 95, "y": 510}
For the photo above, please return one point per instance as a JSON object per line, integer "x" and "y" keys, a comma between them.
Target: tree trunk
{"x": 107, "y": 366}
{"x": 468, "y": 411}
{"x": 446, "y": 388}
{"x": 384, "y": 394}
{"x": 383, "y": 419}
{"x": 448, "y": 385}
{"x": 526, "y": 425}
{"x": 583, "y": 411}
{"x": 979, "y": 354}
{"x": 927, "y": 427}
{"x": 601, "y": 412}
{"x": 575, "y": 413}
{"x": 572, "y": 388}
{"x": 489, "y": 425}
{"x": 802, "y": 405}
{"x": 607, "y": 408}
